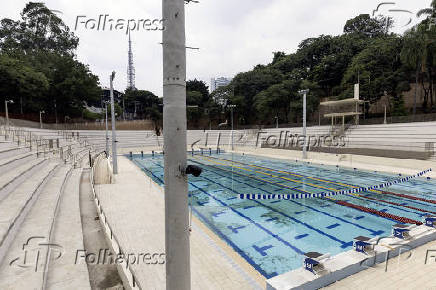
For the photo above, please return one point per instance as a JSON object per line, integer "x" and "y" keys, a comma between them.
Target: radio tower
{"x": 130, "y": 68}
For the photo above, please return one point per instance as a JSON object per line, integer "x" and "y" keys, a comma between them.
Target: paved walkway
{"x": 134, "y": 207}
{"x": 415, "y": 271}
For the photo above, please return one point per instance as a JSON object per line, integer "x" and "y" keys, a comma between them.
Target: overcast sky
{"x": 233, "y": 35}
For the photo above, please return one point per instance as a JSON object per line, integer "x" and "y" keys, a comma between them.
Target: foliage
{"x": 38, "y": 67}
{"x": 143, "y": 103}
{"x": 365, "y": 25}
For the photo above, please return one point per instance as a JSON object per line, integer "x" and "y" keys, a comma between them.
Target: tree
{"x": 199, "y": 86}
{"x": 379, "y": 70}
{"x": 431, "y": 11}
{"x": 40, "y": 29}
{"x": 367, "y": 26}
{"x": 19, "y": 81}
{"x": 142, "y": 102}
{"x": 39, "y": 49}
{"x": 278, "y": 55}
{"x": 412, "y": 55}
{"x": 247, "y": 85}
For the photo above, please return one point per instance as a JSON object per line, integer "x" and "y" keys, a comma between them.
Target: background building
{"x": 216, "y": 83}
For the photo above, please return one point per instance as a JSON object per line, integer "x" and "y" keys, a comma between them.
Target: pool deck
{"x": 403, "y": 272}
{"x": 134, "y": 209}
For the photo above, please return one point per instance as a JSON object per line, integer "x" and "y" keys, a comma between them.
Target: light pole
{"x": 304, "y": 93}
{"x": 6, "y": 111}
{"x": 107, "y": 133}
{"x": 40, "y": 118}
{"x": 277, "y": 121}
{"x": 231, "y": 118}
{"x": 114, "y": 133}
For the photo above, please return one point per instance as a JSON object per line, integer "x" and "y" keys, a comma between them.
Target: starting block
{"x": 401, "y": 231}
{"x": 364, "y": 245}
{"x": 430, "y": 221}
{"x": 312, "y": 262}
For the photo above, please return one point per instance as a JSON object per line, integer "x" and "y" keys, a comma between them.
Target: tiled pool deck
{"x": 134, "y": 207}
{"x": 405, "y": 272}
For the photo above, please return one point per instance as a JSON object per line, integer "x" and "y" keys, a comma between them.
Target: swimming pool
{"x": 273, "y": 235}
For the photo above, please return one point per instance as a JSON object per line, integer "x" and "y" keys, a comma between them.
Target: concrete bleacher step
{"x": 13, "y": 152}
{"x": 36, "y": 226}
{"x": 62, "y": 273}
{"x": 10, "y": 179}
{"x": 15, "y": 206}
{"x": 5, "y": 145}
{"x": 7, "y": 164}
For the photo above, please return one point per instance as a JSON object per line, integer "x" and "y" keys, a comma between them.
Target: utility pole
{"x": 231, "y": 118}
{"x": 114, "y": 131}
{"x": 56, "y": 113}
{"x": 40, "y": 118}
{"x": 304, "y": 92}
{"x": 107, "y": 133}
{"x": 177, "y": 248}
{"x": 6, "y": 111}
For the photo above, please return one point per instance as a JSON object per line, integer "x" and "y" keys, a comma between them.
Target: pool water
{"x": 273, "y": 235}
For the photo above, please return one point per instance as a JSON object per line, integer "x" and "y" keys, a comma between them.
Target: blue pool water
{"x": 273, "y": 235}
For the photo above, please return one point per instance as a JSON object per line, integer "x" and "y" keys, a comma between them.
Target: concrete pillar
{"x": 174, "y": 128}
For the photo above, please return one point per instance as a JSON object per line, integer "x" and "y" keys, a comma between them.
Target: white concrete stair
{"x": 64, "y": 273}
{"x": 36, "y": 223}
{"x": 15, "y": 206}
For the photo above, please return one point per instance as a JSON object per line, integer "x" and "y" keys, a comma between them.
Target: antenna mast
{"x": 130, "y": 68}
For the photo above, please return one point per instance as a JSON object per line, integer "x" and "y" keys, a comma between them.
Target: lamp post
{"x": 6, "y": 111}
{"x": 40, "y": 118}
{"x": 277, "y": 121}
{"x": 107, "y": 133}
{"x": 231, "y": 118}
{"x": 114, "y": 133}
{"x": 304, "y": 93}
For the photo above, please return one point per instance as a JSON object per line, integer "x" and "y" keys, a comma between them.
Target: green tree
{"x": 142, "y": 102}
{"x": 379, "y": 70}
{"x": 413, "y": 56}
{"x": 43, "y": 49}
{"x": 39, "y": 29}
{"x": 19, "y": 81}
{"x": 198, "y": 86}
{"x": 368, "y": 26}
